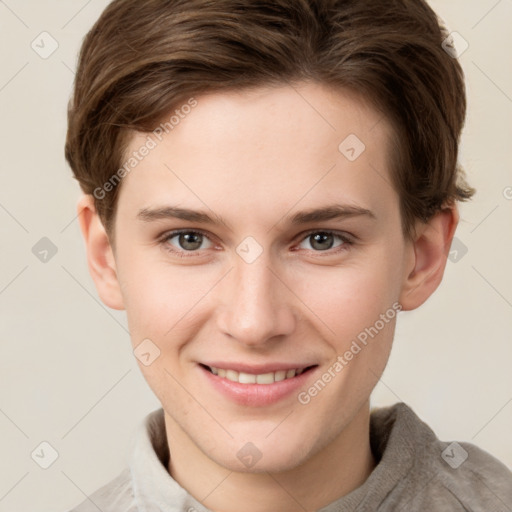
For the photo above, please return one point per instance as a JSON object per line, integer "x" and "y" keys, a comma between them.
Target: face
{"x": 253, "y": 241}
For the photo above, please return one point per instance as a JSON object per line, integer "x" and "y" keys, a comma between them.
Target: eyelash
{"x": 346, "y": 239}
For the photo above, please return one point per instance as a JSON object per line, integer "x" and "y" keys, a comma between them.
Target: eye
{"x": 325, "y": 240}
{"x": 186, "y": 241}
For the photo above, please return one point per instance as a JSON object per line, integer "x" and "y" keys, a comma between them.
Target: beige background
{"x": 67, "y": 373}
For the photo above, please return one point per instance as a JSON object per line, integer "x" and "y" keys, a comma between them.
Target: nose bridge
{"x": 256, "y": 308}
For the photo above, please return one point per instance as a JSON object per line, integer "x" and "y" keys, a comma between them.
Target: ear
{"x": 100, "y": 256}
{"x": 429, "y": 252}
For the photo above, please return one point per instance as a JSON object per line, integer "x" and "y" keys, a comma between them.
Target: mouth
{"x": 268, "y": 377}
{"x": 256, "y": 386}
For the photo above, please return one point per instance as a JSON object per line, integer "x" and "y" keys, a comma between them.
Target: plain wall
{"x": 67, "y": 372}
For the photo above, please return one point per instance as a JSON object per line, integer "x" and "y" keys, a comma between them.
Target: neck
{"x": 337, "y": 469}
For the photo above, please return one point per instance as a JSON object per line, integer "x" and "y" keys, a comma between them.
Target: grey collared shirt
{"x": 415, "y": 472}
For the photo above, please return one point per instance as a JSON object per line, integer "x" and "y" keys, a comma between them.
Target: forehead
{"x": 264, "y": 149}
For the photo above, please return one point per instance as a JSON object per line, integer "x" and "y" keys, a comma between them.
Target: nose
{"x": 257, "y": 307}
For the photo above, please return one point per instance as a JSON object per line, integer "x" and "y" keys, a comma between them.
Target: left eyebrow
{"x": 331, "y": 212}
{"x": 335, "y": 211}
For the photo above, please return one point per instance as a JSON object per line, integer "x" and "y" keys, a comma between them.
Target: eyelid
{"x": 347, "y": 237}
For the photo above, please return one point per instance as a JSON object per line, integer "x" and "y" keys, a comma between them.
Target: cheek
{"x": 348, "y": 299}
{"x": 156, "y": 294}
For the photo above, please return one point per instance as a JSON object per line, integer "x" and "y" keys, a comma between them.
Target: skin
{"x": 255, "y": 159}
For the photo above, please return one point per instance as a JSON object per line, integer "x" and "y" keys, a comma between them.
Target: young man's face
{"x": 258, "y": 292}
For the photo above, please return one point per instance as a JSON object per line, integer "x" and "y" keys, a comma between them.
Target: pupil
{"x": 190, "y": 241}
{"x": 321, "y": 238}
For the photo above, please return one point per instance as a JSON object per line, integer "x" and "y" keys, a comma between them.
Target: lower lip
{"x": 256, "y": 395}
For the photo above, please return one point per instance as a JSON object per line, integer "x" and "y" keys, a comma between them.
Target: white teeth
{"x": 246, "y": 378}
{"x": 232, "y": 375}
{"x": 249, "y": 378}
{"x": 265, "y": 378}
{"x": 280, "y": 375}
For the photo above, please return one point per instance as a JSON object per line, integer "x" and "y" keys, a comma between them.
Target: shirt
{"x": 415, "y": 471}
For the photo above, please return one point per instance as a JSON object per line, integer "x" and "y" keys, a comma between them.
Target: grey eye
{"x": 322, "y": 240}
{"x": 188, "y": 240}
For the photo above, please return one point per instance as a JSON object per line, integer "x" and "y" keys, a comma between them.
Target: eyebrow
{"x": 330, "y": 212}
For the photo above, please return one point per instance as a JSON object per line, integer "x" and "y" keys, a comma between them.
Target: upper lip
{"x": 257, "y": 369}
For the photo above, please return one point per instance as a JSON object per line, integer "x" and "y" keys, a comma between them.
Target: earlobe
{"x": 430, "y": 248}
{"x": 100, "y": 256}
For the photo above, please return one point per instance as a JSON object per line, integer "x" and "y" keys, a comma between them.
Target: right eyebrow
{"x": 173, "y": 212}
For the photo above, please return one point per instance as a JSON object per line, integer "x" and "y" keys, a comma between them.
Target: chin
{"x": 262, "y": 456}
{"x": 270, "y": 464}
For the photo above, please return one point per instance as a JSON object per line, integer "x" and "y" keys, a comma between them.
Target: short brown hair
{"x": 142, "y": 59}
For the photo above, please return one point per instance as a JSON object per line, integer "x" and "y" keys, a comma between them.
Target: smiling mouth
{"x": 262, "y": 378}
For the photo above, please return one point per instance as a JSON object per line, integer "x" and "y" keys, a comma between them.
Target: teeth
{"x": 248, "y": 378}
{"x": 244, "y": 378}
{"x": 232, "y": 375}
{"x": 280, "y": 375}
{"x": 265, "y": 378}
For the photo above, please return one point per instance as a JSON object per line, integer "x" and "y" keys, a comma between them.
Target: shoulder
{"x": 463, "y": 476}
{"x": 474, "y": 477}
{"x": 115, "y": 496}
{"x": 439, "y": 473}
